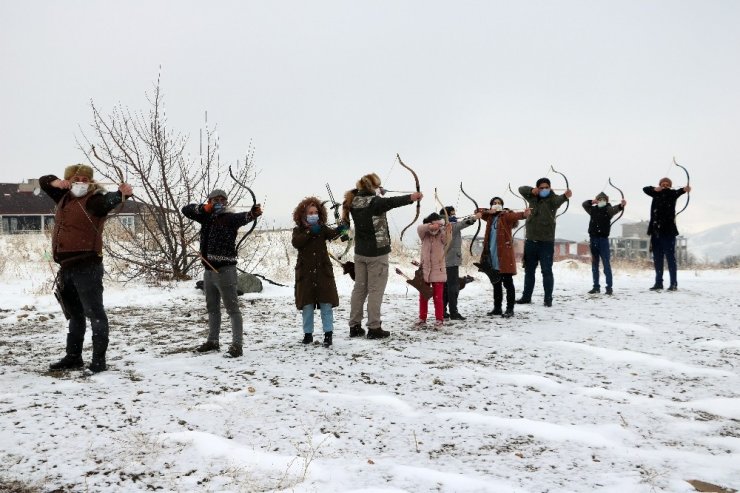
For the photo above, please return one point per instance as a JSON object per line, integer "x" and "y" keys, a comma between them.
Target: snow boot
{"x": 327, "y": 339}
{"x": 97, "y": 364}
{"x": 234, "y": 351}
{"x": 595, "y": 291}
{"x": 100, "y": 346}
{"x": 378, "y": 333}
{"x": 356, "y": 331}
{"x": 69, "y": 362}
{"x": 307, "y": 338}
{"x": 208, "y": 346}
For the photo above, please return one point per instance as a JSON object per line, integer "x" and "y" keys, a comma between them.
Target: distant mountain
{"x": 716, "y": 243}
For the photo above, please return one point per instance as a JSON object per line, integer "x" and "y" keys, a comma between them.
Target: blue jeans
{"x": 327, "y": 318}
{"x": 600, "y": 250}
{"x": 538, "y": 252}
{"x": 664, "y": 247}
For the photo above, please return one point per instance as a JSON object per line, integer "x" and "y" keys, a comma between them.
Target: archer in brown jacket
{"x": 497, "y": 259}
{"x": 314, "y": 275}
{"x": 77, "y": 246}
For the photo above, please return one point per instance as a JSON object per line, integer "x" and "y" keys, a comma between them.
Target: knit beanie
{"x": 78, "y": 170}
{"x": 543, "y": 180}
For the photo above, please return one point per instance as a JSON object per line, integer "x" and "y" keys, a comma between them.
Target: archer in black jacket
{"x": 662, "y": 229}
{"x": 599, "y": 227}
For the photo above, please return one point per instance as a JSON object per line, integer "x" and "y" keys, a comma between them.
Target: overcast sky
{"x": 483, "y": 92}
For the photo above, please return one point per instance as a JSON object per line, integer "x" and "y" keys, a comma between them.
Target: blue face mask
{"x": 312, "y": 219}
{"x": 544, "y": 192}
{"x": 453, "y": 219}
{"x": 218, "y": 207}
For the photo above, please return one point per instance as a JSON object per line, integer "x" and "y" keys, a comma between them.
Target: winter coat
{"x": 372, "y": 237}
{"x": 218, "y": 231}
{"x": 433, "y": 254}
{"x": 454, "y": 254}
{"x": 504, "y": 240}
{"x": 314, "y": 275}
{"x": 600, "y": 224}
{"x": 79, "y": 221}
{"x": 663, "y": 211}
{"x": 540, "y": 225}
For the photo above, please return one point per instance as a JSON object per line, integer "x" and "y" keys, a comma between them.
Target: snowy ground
{"x": 638, "y": 392}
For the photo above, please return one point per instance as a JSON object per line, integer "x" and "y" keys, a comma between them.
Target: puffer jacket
{"x": 433, "y": 254}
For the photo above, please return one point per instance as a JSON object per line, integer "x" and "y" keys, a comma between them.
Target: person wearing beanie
{"x": 77, "y": 246}
{"x": 367, "y": 209}
{"x": 434, "y": 236}
{"x": 453, "y": 261}
{"x": 218, "y": 231}
{"x": 601, "y": 212}
{"x": 315, "y": 286}
{"x": 662, "y": 229}
{"x": 497, "y": 259}
{"x": 539, "y": 247}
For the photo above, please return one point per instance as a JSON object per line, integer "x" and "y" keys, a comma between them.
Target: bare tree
{"x": 141, "y": 149}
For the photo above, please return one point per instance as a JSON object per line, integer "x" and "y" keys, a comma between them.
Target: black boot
{"x": 378, "y": 333}
{"x": 456, "y": 316}
{"x": 307, "y": 338}
{"x": 69, "y": 362}
{"x": 208, "y": 346}
{"x": 496, "y": 310}
{"x": 523, "y": 301}
{"x": 73, "y": 359}
{"x": 356, "y": 331}
{"x": 509, "y": 310}
{"x": 657, "y": 287}
{"x": 673, "y": 287}
{"x": 595, "y": 291}
{"x": 235, "y": 350}
{"x": 100, "y": 346}
{"x": 327, "y": 339}
{"x": 609, "y": 291}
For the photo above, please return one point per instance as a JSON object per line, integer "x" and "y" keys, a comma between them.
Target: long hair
{"x": 368, "y": 183}
{"x": 300, "y": 210}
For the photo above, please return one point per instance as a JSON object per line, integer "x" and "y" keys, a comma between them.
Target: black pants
{"x": 82, "y": 292}
{"x": 451, "y": 289}
{"x": 507, "y": 280}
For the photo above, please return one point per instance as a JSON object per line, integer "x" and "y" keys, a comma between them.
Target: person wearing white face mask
{"x": 497, "y": 259}
{"x": 599, "y": 227}
{"x": 77, "y": 246}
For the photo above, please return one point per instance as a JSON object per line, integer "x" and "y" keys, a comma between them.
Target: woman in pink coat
{"x": 433, "y": 235}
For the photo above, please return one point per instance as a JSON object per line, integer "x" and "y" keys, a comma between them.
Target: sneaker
{"x": 327, "y": 339}
{"x": 377, "y": 333}
{"x": 438, "y": 324}
{"x": 234, "y": 351}
{"x": 356, "y": 331}
{"x": 609, "y": 291}
{"x": 69, "y": 362}
{"x": 420, "y": 323}
{"x": 523, "y": 301}
{"x": 307, "y": 338}
{"x": 208, "y": 346}
{"x": 673, "y": 287}
{"x": 595, "y": 291}
{"x": 456, "y": 316}
{"x": 656, "y": 287}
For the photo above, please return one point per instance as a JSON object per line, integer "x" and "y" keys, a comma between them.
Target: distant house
{"x": 634, "y": 244}
{"x": 24, "y": 208}
{"x": 563, "y": 249}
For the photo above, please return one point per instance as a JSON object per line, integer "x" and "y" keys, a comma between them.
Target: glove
{"x": 256, "y": 210}
{"x": 315, "y": 228}
{"x": 342, "y": 229}
{"x": 208, "y": 207}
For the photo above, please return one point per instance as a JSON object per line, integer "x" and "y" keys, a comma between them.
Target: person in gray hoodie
{"x": 453, "y": 259}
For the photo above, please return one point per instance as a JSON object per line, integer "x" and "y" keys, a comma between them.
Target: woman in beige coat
{"x": 433, "y": 235}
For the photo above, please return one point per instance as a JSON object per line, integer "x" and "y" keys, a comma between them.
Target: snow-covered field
{"x": 638, "y": 392}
